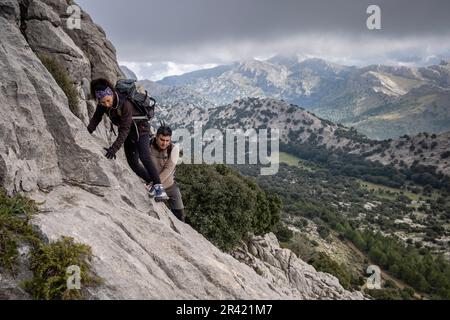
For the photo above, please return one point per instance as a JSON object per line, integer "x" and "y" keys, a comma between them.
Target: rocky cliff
{"x": 140, "y": 249}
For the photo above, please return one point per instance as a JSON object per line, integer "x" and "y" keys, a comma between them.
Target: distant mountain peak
{"x": 288, "y": 59}
{"x": 129, "y": 74}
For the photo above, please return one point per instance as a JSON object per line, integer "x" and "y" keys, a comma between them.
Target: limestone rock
{"x": 44, "y": 38}
{"x": 40, "y": 11}
{"x": 10, "y": 10}
{"x": 283, "y": 269}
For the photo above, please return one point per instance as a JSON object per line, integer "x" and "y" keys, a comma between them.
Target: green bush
{"x": 283, "y": 233}
{"x": 15, "y": 212}
{"x": 49, "y": 263}
{"x": 225, "y": 206}
{"x": 63, "y": 80}
{"x": 301, "y": 246}
{"x": 322, "y": 262}
{"x": 391, "y": 293}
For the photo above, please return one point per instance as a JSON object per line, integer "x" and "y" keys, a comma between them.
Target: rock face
{"x": 140, "y": 249}
{"x": 284, "y": 270}
{"x": 129, "y": 74}
{"x": 85, "y": 53}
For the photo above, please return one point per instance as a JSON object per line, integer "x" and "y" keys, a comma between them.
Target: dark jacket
{"x": 120, "y": 114}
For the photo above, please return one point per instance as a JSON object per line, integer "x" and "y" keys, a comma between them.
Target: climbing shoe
{"x": 150, "y": 190}
{"x": 158, "y": 193}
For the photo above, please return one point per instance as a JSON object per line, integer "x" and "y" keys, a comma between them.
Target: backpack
{"x": 143, "y": 103}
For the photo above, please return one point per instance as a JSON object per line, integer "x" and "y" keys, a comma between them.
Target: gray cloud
{"x": 215, "y": 31}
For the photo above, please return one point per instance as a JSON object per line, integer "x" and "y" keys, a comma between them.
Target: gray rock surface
{"x": 140, "y": 249}
{"x": 284, "y": 270}
{"x": 45, "y": 38}
{"x": 85, "y": 53}
{"x": 128, "y": 73}
{"x": 40, "y": 11}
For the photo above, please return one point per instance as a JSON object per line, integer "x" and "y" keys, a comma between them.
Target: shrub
{"x": 283, "y": 233}
{"x": 15, "y": 212}
{"x": 63, "y": 80}
{"x": 48, "y": 262}
{"x": 322, "y": 262}
{"x": 323, "y": 231}
{"x": 225, "y": 206}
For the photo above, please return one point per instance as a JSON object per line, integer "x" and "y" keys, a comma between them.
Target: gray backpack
{"x": 144, "y": 103}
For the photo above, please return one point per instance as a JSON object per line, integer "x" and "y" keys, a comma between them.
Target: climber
{"x": 134, "y": 135}
{"x": 164, "y": 155}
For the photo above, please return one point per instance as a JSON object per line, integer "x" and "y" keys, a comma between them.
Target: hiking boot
{"x": 159, "y": 193}
{"x": 150, "y": 190}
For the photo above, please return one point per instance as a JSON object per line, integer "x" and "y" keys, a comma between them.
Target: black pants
{"x": 140, "y": 150}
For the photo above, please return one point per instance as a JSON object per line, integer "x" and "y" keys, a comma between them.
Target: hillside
{"x": 298, "y": 126}
{"x": 139, "y": 249}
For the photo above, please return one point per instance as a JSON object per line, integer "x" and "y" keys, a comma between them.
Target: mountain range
{"x": 298, "y": 126}
{"x": 379, "y": 101}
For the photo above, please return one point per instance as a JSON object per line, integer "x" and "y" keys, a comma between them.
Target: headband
{"x": 100, "y": 94}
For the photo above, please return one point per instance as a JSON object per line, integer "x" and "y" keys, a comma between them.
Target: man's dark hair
{"x": 164, "y": 130}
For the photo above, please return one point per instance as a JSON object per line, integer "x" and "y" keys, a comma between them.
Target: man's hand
{"x": 110, "y": 153}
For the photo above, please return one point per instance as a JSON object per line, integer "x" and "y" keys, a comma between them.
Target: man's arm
{"x": 96, "y": 118}
{"x": 169, "y": 166}
{"x": 124, "y": 126}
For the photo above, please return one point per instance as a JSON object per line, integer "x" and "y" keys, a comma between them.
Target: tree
{"x": 225, "y": 206}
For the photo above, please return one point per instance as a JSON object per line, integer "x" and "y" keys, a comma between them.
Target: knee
{"x": 132, "y": 158}
{"x": 145, "y": 157}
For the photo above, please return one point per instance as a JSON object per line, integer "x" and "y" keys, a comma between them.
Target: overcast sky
{"x": 156, "y": 38}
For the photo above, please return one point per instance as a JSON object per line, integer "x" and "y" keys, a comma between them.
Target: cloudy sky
{"x": 156, "y": 38}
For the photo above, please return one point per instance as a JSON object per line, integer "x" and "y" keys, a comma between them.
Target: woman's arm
{"x": 96, "y": 118}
